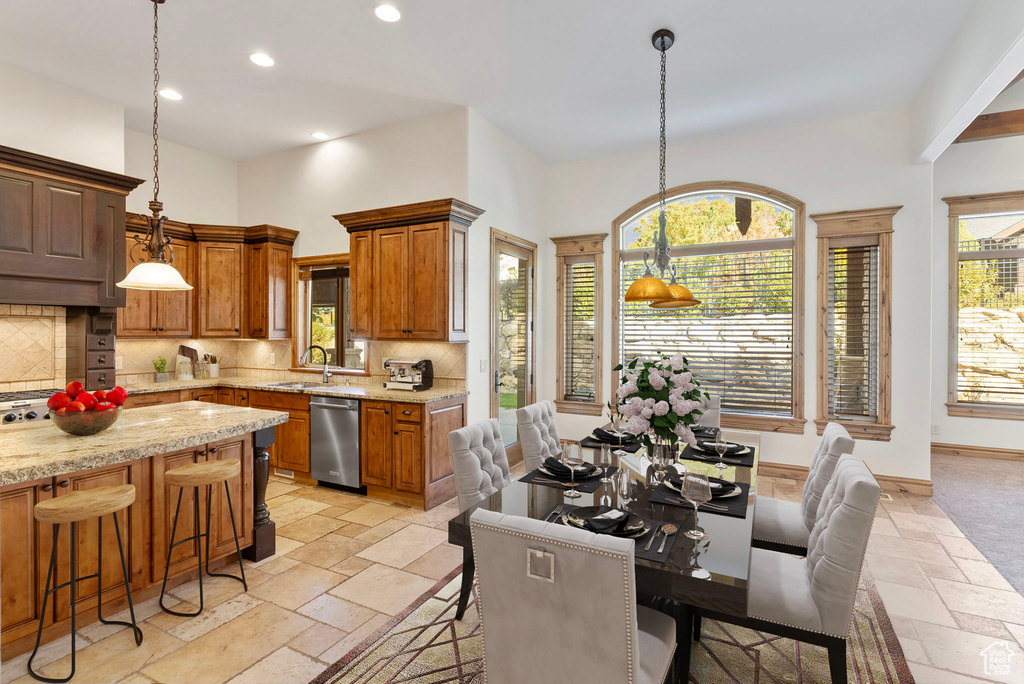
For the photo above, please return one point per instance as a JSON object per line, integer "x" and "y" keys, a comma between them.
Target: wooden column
{"x": 264, "y": 530}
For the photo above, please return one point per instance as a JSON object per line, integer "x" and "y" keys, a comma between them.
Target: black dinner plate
{"x": 725, "y": 489}
{"x": 635, "y": 525}
{"x": 595, "y": 473}
{"x": 708, "y": 446}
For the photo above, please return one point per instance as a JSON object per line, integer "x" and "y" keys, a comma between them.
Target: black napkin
{"x": 605, "y": 436}
{"x": 708, "y": 445}
{"x": 606, "y": 525}
{"x": 719, "y": 487}
{"x": 559, "y": 469}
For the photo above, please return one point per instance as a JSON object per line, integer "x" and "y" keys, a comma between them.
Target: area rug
{"x": 425, "y": 644}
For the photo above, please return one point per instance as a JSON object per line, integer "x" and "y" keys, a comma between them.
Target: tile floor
{"x": 346, "y": 564}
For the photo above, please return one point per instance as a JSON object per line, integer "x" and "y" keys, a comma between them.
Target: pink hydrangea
{"x": 657, "y": 381}
{"x": 638, "y": 425}
{"x": 685, "y": 434}
{"x": 625, "y": 390}
{"x": 677, "y": 362}
{"x": 661, "y": 408}
{"x": 632, "y": 407}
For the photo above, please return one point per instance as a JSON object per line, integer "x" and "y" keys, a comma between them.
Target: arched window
{"x": 738, "y": 248}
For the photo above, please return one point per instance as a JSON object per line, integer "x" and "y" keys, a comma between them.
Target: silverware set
{"x": 712, "y": 506}
{"x": 555, "y": 514}
{"x": 565, "y": 485}
{"x": 665, "y": 531}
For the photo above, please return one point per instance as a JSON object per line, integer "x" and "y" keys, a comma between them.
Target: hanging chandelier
{"x": 156, "y": 272}
{"x": 651, "y": 288}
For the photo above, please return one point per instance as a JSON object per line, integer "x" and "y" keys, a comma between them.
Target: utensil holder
{"x": 214, "y": 370}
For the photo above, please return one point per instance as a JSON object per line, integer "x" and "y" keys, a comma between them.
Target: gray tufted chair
{"x": 786, "y": 526}
{"x": 538, "y": 433}
{"x": 535, "y": 629}
{"x": 479, "y": 461}
{"x": 712, "y": 416}
{"x": 811, "y": 599}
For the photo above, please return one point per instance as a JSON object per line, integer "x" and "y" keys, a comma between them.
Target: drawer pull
{"x": 101, "y": 359}
{"x": 48, "y": 488}
{"x": 407, "y": 412}
{"x": 102, "y": 379}
{"x": 213, "y": 450}
{"x": 64, "y": 483}
{"x": 101, "y": 343}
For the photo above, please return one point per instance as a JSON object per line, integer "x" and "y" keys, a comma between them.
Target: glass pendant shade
{"x": 154, "y": 275}
{"x": 681, "y": 298}
{"x": 648, "y": 288}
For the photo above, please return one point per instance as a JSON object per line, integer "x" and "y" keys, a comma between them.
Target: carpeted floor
{"x": 997, "y": 527}
{"x": 426, "y": 645}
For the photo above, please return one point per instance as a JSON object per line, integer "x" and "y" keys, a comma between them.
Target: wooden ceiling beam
{"x": 995, "y": 125}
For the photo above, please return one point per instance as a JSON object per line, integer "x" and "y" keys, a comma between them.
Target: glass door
{"x": 512, "y": 338}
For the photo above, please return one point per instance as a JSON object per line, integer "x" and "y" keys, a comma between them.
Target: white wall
{"x": 854, "y": 163}
{"x": 301, "y": 189}
{"x": 508, "y": 182}
{"x": 47, "y": 118}
{"x": 964, "y": 169}
{"x": 195, "y": 186}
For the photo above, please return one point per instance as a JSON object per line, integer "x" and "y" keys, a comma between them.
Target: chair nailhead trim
{"x": 557, "y": 542}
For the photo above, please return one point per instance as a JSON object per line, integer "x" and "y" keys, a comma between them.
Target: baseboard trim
{"x": 888, "y": 483}
{"x": 977, "y": 451}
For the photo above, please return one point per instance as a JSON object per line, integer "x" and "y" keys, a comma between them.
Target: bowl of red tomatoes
{"x": 82, "y": 413}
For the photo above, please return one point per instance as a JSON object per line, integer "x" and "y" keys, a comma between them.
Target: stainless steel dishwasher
{"x": 334, "y": 441}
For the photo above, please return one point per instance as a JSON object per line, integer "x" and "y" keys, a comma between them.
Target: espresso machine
{"x": 413, "y": 376}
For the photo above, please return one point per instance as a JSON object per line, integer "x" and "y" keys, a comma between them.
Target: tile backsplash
{"x": 449, "y": 360}
{"x": 33, "y": 347}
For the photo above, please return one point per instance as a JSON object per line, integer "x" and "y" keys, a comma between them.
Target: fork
{"x": 553, "y": 515}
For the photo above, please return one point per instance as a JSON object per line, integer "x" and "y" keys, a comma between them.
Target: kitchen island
{"x": 39, "y": 462}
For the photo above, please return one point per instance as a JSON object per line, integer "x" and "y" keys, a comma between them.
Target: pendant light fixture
{"x": 156, "y": 272}
{"x": 650, "y": 288}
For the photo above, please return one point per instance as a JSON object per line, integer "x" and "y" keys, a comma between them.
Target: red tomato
{"x": 58, "y": 401}
{"x": 74, "y": 407}
{"x": 60, "y": 410}
{"x": 117, "y": 396}
{"x": 101, "y": 395}
{"x": 86, "y": 400}
{"x": 104, "y": 406}
{"x": 74, "y": 388}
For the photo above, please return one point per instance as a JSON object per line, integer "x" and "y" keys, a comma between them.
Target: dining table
{"x": 710, "y": 574}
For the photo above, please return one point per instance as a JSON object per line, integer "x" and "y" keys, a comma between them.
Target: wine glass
{"x": 721, "y": 446}
{"x": 606, "y": 462}
{"x": 572, "y": 457}
{"x": 696, "y": 490}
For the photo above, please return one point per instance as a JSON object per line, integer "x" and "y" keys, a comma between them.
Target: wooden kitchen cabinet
{"x": 207, "y": 394}
{"x": 414, "y": 276}
{"x": 220, "y": 289}
{"x": 152, "y": 399}
{"x": 164, "y": 499}
{"x": 226, "y": 396}
{"x": 222, "y": 539}
{"x": 269, "y": 292}
{"x": 375, "y": 443}
{"x": 25, "y": 547}
{"x": 290, "y": 450}
{"x": 148, "y": 314}
{"x": 407, "y": 453}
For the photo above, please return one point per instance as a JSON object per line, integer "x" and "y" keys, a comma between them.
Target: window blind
{"x": 579, "y": 310}
{"x": 990, "y": 319}
{"x": 853, "y": 332}
{"x": 739, "y": 341}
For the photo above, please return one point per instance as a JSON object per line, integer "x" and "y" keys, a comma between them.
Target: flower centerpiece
{"x": 660, "y": 401}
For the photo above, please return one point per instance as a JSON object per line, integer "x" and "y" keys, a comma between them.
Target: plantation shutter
{"x": 990, "y": 319}
{"x": 579, "y": 310}
{"x": 852, "y": 280}
{"x": 738, "y": 341}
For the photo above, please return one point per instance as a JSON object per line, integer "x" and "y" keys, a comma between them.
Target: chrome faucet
{"x": 308, "y": 354}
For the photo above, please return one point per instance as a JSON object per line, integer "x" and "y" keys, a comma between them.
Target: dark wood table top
{"x": 724, "y": 554}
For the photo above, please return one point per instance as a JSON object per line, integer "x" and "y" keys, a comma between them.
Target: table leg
{"x": 468, "y": 570}
{"x": 264, "y": 530}
{"x": 684, "y": 634}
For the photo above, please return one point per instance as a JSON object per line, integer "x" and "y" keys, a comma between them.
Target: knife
{"x": 653, "y": 537}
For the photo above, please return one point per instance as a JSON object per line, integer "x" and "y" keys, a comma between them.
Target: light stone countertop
{"x": 39, "y": 449}
{"x": 309, "y": 387}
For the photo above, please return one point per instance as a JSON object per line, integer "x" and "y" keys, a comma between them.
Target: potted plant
{"x": 160, "y": 364}
{"x": 660, "y": 401}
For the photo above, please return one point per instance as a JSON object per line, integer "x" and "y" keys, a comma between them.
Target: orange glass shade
{"x": 648, "y": 289}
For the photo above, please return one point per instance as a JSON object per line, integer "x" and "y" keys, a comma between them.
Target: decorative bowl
{"x": 84, "y": 423}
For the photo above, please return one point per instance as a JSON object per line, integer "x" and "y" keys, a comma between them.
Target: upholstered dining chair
{"x": 712, "y": 416}
{"x": 479, "y": 461}
{"x": 812, "y": 599}
{"x": 786, "y": 525}
{"x": 538, "y": 433}
{"x": 558, "y": 604}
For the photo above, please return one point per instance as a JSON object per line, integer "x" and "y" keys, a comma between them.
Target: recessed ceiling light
{"x": 387, "y": 13}
{"x": 170, "y": 94}
{"x": 320, "y": 135}
{"x": 261, "y": 59}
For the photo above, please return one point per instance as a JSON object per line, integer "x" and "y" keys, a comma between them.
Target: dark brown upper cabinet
{"x": 62, "y": 231}
{"x": 408, "y": 270}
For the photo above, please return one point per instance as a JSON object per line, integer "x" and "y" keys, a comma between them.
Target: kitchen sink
{"x": 298, "y": 385}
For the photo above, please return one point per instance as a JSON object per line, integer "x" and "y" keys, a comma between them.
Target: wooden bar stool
{"x": 196, "y": 475}
{"x": 75, "y": 508}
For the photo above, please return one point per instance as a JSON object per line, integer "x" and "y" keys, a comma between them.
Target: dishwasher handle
{"x": 336, "y": 407}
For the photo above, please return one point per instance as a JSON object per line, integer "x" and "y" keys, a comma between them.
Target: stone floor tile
{"x": 919, "y": 535}
{"x": 909, "y": 549}
{"x": 385, "y": 529}
{"x": 339, "y": 613}
{"x": 927, "y": 507}
{"x": 982, "y": 625}
{"x": 382, "y": 588}
{"x": 371, "y": 514}
{"x": 903, "y": 626}
{"x": 297, "y": 586}
{"x": 979, "y": 600}
{"x": 983, "y": 573}
{"x": 950, "y": 572}
{"x": 212, "y": 618}
{"x": 283, "y": 545}
{"x": 897, "y": 571}
{"x": 215, "y": 589}
{"x": 328, "y": 550}
{"x": 276, "y": 488}
{"x": 884, "y": 526}
{"x": 339, "y": 650}
{"x": 404, "y": 546}
{"x": 960, "y": 651}
{"x": 351, "y": 566}
{"x": 335, "y": 511}
{"x": 926, "y": 674}
{"x": 924, "y": 523}
{"x": 214, "y": 658}
{"x": 309, "y": 528}
{"x": 316, "y": 640}
{"x": 18, "y": 666}
{"x": 283, "y": 665}
{"x": 437, "y": 562}
{"x": 1017, "y": 631}
{"x": 275, "y": 565}
{"x": 113, "y": 658}
{"x": 960, "y": 548}
{"x": 332, "y": 497}
{"x": 919, "y": 604}
{"x": 296, "y": 510}
{"x": 913, "y": 651}
{"x": 352, "y": 530}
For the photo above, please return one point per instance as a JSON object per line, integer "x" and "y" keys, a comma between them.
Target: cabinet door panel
{"x": 25, "y": 549}
{"x": 375, "y": 443}
{"x": 279, "y": 304}
{"x": 361, "y": 263}
{"x": 220, "y": 284}
{"x": 15, "y": 215}
{"x": 391, "y": 283}
{"x": 207, "y": 395}
{"x": 256, "y": 297}
{"x": 226, "y": 396}
{"x": 222, "y": 541}
{"x": 428, "y": 282}
{"x": 137, "y": 318}
{"x": 133, "y": 521}
{"x": 165, "y": 497}
{"x": 174, "y": 309}
{"x": 408, "y": 457}
{"x": 292, "y": 442}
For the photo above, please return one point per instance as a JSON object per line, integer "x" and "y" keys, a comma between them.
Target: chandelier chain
{"x": 661, "y": 140}
{"x": 156, "y": 101}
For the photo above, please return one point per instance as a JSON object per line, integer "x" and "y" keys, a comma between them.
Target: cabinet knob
{"x": 101, "y": 343}
{"x": 154, "y": 329}
{"x": 386, "y": 412}
{"x": 407, "y": 412}
{"x": 396, "y": 432}
{"x": 160, "y": 329}
{"x": 48, "y": 488}
{"x": 103, "y": 379}
{"x": 64, "y": 483}
{"x": 102, "y": 359}
{"x": 236, "y": 329}
{"x": 213, "y": 450}
{"x": 203, "y": 452}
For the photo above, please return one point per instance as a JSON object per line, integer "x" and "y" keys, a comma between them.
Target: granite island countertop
{"x": 308, "y": 387}
{"x": 38, "y": 449}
